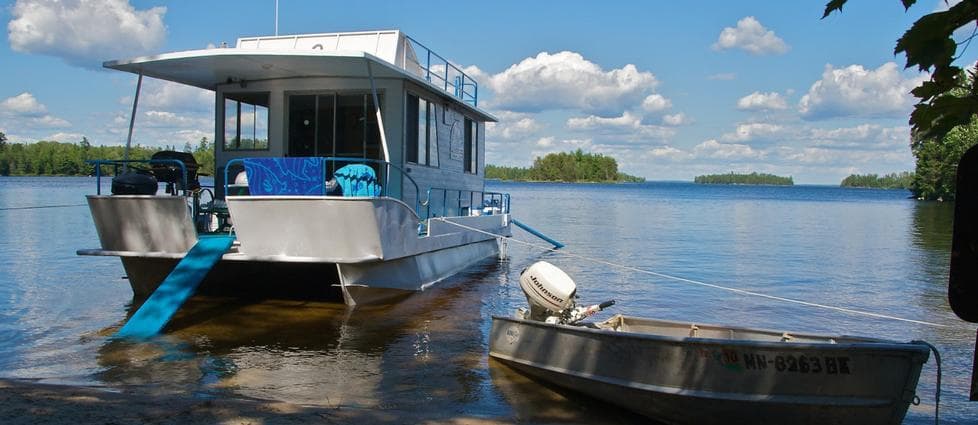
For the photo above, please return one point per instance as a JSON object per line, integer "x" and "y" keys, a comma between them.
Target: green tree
{"x": 3, "y": 140}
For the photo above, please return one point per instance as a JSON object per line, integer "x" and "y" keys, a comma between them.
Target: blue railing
{"x": 489, "y": 202}
{"x": 441, "y": 73}
{"x": 116, "y": 163}
{"x": 329, "y": 166}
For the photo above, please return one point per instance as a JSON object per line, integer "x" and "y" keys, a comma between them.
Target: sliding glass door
{"x": 341, "y": 125}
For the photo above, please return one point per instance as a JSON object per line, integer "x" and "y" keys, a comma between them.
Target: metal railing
{"x": 329, "y": 166}
{"x": 116, "y": 163}
{"x": 489, "y": 202}
{"x": 439, "y": 72}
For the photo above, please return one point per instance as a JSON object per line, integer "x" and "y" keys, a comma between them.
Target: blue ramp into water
{"x": 178, "y": 286}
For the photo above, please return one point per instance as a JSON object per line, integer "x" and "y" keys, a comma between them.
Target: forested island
{"x": 575, "y": 166}
{"x": 47, "y": 158}
{"x": 902, "y": 180}
{"x": 752, "y": 178}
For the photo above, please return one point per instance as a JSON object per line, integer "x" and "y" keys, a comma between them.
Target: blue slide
{"x": 178, "y": 286}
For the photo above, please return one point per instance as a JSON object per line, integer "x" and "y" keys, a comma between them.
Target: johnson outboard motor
{"x": 551, "y": 294}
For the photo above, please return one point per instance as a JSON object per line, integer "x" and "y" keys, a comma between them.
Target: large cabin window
{"x": 422, "y": 140}
{"x": 471, "y": 147}
{"x": 245, "y": 121}
{"x": 339, "y": 125}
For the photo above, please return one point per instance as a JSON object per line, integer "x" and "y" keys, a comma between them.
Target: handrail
{"x": 116, "y": 163}
{"x": 496, "y": 200}
{"x": 453, "y": 80}
{"x": 384, "y": 188}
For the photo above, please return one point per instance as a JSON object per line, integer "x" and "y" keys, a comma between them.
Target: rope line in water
{"x": 35, "y": 207}
{"x": 694, "y": 282}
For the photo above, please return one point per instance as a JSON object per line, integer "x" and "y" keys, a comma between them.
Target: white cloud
{"x": 28, "y": 112}
{"x": 85, "y": 32}
{"x": 170, "y": 119}
{"x": 862, "y": 137}
{"x": 628, "y": 126}
{"x": 656, "y": 103}
{"x": 50, "y": 122}
{"x": 754, "y": 132}
{"x": 762, "y": 101}
{"x": 164, "y": 95}
{"x": 723, "y": 76}
{"x": 751, "y": 36}
{"x": 728, "y": 151}
{"x": 513, "y": 126}
{"x": 24, "y": 105}
{"x": 667, "y": 152}
{"x": 675, "y": 119}
{"x": 566, "y": 80}
{"x": 856, "y": 91}
{"x": 65, "y": 137}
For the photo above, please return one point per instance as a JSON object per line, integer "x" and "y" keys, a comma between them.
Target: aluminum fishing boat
{"x": 688, "y": 373}
{"x": 351, "y": 160}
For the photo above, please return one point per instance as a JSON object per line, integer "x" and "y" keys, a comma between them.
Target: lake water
{"x": 869, "y": 250}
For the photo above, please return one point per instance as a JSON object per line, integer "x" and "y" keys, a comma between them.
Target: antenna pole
{"x": 276, "y": 17}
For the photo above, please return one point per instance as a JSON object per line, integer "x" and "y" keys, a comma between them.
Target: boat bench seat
{"x": 307, "y": 176}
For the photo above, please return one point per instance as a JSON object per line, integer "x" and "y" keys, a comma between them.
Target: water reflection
{"x": 422, "y": 351}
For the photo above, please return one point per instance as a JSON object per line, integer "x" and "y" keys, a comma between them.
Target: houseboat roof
{"x": 391, "y": 54}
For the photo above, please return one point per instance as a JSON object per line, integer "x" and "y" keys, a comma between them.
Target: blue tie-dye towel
{"x": 286, "y": 176}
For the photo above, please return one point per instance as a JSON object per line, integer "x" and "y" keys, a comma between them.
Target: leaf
{"x": 832, "y": 6}
{"x": 908, "y": 3}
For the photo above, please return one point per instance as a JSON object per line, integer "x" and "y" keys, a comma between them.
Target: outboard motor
{"x": 551, "y": 294}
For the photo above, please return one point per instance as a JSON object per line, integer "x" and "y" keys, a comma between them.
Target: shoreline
{"x": 27, "y": 402}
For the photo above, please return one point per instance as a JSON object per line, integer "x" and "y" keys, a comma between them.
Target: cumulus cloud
{"x": 24, "y": 104}
{"x": 164, "y": 95}
{"x": 656, "y": 103}
{"x": 675, "y": 119}
{"x": 857, "y": 91}
{"x": 513, "y": 126}
{"x": 728, "y": 151}
{"x": 762, "y": 101}
{"x": 752, "y": 37}
{"x": 85, "y": 32}
{"x": 755, "y": 132}
{"x": 27, "y": 111}
{"x": 629, "y": 126}
{"x": 566, "y": 80}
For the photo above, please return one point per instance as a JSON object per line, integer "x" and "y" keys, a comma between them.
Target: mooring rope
{"x": 691, "y": 281}
{"x": 35, "y": 207}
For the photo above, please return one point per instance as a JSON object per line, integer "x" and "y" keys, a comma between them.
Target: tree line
{"x": 752, "y": 178}
{"x": 576, "y": 166}
{"x": 50, "y": 158}
{"x": 902, "y": 180}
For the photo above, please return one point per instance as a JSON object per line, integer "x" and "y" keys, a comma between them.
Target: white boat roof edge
{"x": 209, "y": 68}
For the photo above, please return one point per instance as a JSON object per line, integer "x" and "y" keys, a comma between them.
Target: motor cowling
{"x": 549, "y": 291}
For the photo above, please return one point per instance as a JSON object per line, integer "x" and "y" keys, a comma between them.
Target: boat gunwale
{"x": 867, "y": 344}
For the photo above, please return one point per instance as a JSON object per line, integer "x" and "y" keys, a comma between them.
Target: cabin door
{"x": 336, "y": 125}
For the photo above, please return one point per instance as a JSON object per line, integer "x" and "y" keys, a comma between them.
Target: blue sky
{"x": 670, "y": 89}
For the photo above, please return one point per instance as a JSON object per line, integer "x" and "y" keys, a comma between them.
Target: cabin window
{"x": 421, "y": 140}
{"x": 245, "y": 121}
{"x": 340, "y": 125}
{"x": 471, "y": 156}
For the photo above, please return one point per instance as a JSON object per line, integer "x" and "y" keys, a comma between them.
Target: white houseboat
{"x": 351, "y": 160}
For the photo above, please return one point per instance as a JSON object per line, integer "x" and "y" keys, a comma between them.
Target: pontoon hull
{"x": 733, "y": 379}
{"x": 369, "y": 248}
